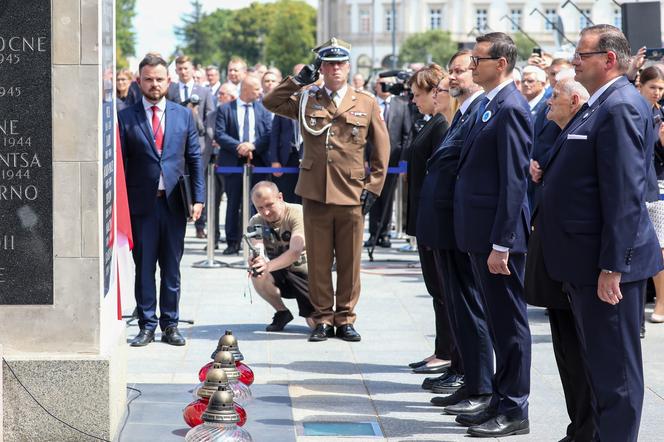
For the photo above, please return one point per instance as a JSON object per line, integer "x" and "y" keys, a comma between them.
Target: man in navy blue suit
{"x": 284, "y": 151}
{"x": 596, "y": 235}
{"x": 159, "y": 144}
{"x": 435, "y": 230}
{"x": 491, "y": 224}
{"x": 243, "y": 134}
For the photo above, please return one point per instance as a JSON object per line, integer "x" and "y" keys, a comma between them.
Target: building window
{"x": 583, "y": 21}
{"x": 617, "y": 18}
{"x": 551, "y": 17}
{"x": 389, "y": 20}
{"x": 481, "y": 20}
{"x": 515, "y": 15}
{"x": 365, "y": 21}
{"x": 435, "y": 18}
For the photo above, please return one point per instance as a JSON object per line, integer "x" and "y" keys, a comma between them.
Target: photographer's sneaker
{"x": 279, "y": 321}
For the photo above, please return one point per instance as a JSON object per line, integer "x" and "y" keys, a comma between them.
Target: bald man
{"x": 243, "y": 134}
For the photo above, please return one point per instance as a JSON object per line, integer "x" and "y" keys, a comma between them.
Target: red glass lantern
{"x": 193, "y": 413}
{"x": 215, "y": 378}
{"x": 246, "y": 373}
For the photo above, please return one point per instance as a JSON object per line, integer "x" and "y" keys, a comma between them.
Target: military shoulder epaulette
{"x": 365, "y": 92}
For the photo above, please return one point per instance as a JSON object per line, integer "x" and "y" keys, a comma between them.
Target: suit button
{"x": 331, "y": 133}
{"x": 329, "y": 160}
{"x": 458, "y": 177}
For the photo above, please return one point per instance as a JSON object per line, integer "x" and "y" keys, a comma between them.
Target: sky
{"x": 156, "y": 20}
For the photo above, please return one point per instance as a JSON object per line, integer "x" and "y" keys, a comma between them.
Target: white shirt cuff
{"x": 498, "y": 248}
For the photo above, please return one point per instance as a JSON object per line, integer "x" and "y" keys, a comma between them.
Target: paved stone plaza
{"x": 298, "y": 381}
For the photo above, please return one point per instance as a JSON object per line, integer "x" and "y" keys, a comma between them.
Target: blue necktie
{"x": 480, "y": 111}
{"x": 186, "y": 93}
{"x": 245, "y": 127}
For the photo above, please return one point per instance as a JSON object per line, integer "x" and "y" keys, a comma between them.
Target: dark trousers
{"x": 158, "y": 237}
{"x": 505, "y": 306}
{"x": 287, "y": 182}
{"x": 567, "y": 350}
{"x": 381, "y": 211}
{"x": 445, "y": 340}
{"x": 611, "y": 349}
{"x": 218, "y": 190}
{"x": 467, "y": 319}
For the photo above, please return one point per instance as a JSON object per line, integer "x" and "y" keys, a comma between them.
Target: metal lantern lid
{"x": 221, "y": 409}
{"x": 225, "y": 361}
{"x": 215, "y": 378}
{"x": 230, "y": 340}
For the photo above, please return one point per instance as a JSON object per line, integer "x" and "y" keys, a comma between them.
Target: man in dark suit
{"x": 201, "y": 102}
{"x": 243, "y": 134}
{"x": 491, "y": 224}
{"x": 285, "y": 151}
{"x": 435, "y": 230}
{"x": 596, "y": 235}
{"x": 397, "y": 116}
{"x": 159, "y": 140}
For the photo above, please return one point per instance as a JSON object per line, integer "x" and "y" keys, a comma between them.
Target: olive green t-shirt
{"x": 281, "y": 232}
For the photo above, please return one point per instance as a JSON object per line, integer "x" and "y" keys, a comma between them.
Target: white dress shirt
{"x": 240, "y": 120}
{"x": 190, "y": 88}
{"x": 161, "y": 114}
{"x": 341, "y": 93}
{"x": 466, "y": 104}
{"x": 535, "y": 101}
{"x": 381, "y": 105}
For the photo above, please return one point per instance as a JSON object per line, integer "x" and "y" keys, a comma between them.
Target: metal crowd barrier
{"x": 246, "y": 171}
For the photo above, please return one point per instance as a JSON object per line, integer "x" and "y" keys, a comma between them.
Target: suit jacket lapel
{"x": 142, "y": 118}
{"x": 169, "y": 127}
{"x": 235, "y": 120}
{"x": 325, "y": 101}
{"x": 347, "y": 103}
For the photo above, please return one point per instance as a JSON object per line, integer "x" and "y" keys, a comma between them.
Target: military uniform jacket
{"x": 332, "y": 167}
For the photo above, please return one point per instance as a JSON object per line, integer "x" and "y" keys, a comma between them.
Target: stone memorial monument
{"x": 63, "y": 344}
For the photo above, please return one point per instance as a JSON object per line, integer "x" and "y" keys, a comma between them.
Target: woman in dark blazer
{"x": 428, "y": 91}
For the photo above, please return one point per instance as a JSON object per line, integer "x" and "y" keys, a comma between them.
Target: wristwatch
{"x": 607, "y": 272}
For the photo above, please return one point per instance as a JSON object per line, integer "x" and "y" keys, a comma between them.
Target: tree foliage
{"x": 524, "y": 47}
{"x": 280, "y": 34}
{"x": 125, "y": 37}
{"x": 435, "y": 45}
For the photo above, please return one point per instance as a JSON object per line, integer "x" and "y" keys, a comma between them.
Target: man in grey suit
{"x": 397, "y": 117}
{"x": 201, "y": 102}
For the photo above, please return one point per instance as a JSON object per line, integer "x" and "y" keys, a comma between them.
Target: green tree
{"x": 125, "y": 37}
{"x": 244, "y": 34}
{"x": 524, "y": 46}
{"x": 434, "y": 45}
{"x": 191, "y": 32}
{"x": 291, "y": 36}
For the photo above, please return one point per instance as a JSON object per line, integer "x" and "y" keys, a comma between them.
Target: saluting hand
{"x": 497, "y": 262}
{"x": 608, "y": 287}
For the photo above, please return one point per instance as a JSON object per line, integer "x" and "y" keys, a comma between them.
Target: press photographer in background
{"x": 281, "y": 271}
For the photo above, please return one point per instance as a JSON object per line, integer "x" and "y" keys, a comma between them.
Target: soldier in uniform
{"x": 336, "y": 121}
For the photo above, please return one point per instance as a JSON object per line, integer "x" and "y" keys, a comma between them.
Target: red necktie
{"x": 157, "y": 129}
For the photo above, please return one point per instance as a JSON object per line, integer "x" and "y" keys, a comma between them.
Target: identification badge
{"x": 486, "y": 116}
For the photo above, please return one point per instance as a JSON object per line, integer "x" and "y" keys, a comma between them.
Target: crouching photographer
{"x": 279, "y": 265}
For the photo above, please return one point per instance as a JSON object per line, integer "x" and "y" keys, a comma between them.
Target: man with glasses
{"x": 597, "y": 238}
{"x": 435, "y": 229}
{"x": 491, "y": 225}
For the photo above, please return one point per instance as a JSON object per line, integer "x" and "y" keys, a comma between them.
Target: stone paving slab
{"x": 298, "y": 381}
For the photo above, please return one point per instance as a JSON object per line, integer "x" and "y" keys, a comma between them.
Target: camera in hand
{"x": 194, "y": 100}
{"x": 655, "y": 54}
{"x": 400, "y": 86}
{"x": 258, "y": 233}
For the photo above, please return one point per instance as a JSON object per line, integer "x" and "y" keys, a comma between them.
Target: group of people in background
{"x": 537, "y": 186}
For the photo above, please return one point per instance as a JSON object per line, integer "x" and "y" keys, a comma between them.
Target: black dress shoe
{"x": 448, "y": 385}
{"x": 500, "y": 426}
{"x": 200, "y": 233}
{"x": 321, "y": 333}
{"x": 279, "y": 321}
{"x": 417, "y": 364}
{"x": 370, "y": 242}
{"x": 348, "y": 333}
{"x": 473, "y": 404}
{"x": 143, "y": 338}
{"x": 453, "y": 399}
{"x": 172, "y": 336}
{"x": 436, "y": 369}
{"x": 384, "y": 241}
{"x": 232, "y": 249}
{"x": 469, "y": 420}
{"x": 428, "y": 383}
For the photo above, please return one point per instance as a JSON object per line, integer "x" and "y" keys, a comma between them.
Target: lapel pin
{"x": 486, "y": 116}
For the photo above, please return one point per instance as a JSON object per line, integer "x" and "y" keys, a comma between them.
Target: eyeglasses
{"x": 476, "y": 60}
{"x": 440, "y": 91}
{"x": 583, "y": 55}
